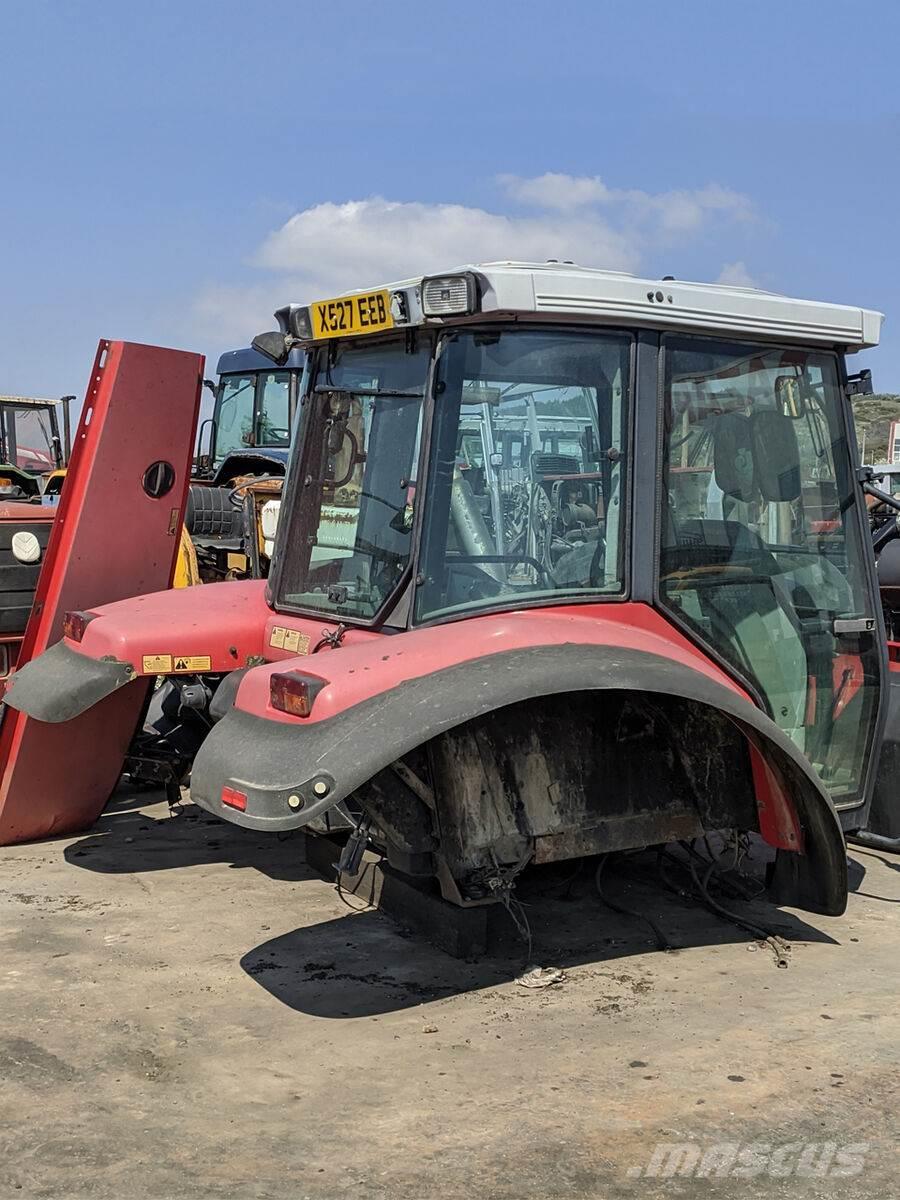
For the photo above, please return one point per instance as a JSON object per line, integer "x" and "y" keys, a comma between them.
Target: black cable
{"x": 778, "y": 945}
{"x": 662, "y": 941}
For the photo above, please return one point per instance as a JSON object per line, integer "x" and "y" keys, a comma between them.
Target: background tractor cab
{"x": 242, "y": 453}
{"x": 569, "y": 562}
{"x": 249, "y": 432}
{"x": 35, "y": 446}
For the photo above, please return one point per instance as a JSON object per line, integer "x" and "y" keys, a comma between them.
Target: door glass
{"x": 31, "y": 430}
{"x": 234, "y": 414}
{"x": 350, "y": 534}
{"x": 526, "y": 472}
{"x": 760, "y": 546}
{"x": 274, "y": 428}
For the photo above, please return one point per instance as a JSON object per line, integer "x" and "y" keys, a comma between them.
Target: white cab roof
{"x": 613, "y": 297}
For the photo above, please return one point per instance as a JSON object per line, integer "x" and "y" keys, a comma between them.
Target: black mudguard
{"x": 61, "y": 684}
{"x": 293, "y": 772}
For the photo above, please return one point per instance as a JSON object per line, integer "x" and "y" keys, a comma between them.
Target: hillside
{"x": 873, "y": 416}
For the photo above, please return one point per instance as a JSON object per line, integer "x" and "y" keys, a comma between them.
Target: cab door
{"x": 763, "y": 556}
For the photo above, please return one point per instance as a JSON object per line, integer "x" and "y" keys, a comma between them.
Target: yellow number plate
{"x": 369, "y": 312}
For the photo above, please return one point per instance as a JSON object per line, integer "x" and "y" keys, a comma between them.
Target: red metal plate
{"x": 115, "y": 536}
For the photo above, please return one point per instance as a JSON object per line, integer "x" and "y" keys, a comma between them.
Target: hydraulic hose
{"x": 875, "y": 841}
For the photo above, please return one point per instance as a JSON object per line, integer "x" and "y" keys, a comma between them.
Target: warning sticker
{"x": 192, "y": 662}
{"x": 170, "y": 664}
{"x": 289, "y": 639}
{"x": 157, "y": 664}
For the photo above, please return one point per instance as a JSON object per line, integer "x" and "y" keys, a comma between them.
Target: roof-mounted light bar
{"x": 449, "y": 295}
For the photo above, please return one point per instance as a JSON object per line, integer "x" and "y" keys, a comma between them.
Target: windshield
{"x": 526, "y": 471}
{"x": 761, "y": 551}
{"x": 28, "y": 438}
{"x": 351, "y": 525}
{"x": 234, "y": 414}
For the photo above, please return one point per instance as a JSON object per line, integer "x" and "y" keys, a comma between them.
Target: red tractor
{"x": 568, "y": 562}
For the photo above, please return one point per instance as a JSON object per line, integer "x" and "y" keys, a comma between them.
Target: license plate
{"x": 369, "y": 312}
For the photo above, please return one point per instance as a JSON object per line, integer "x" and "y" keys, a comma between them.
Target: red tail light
{"x": 75, "y": 623}
{"x": 234, "y": 799}
{"x": 291, "y": 692}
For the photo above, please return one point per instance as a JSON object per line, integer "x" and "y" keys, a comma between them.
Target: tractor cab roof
{"x": 246, "y": 360}
{"x": 554, "y": 289}
{"x": 29, "y": 402}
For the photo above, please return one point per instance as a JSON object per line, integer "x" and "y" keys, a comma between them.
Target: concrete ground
{"x": 187, "y": 1011}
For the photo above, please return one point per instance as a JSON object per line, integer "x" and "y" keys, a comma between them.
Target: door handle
{"x": 848, "y": 626}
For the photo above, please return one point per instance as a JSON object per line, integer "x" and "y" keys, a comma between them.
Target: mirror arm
{"x": 871, "y": 490}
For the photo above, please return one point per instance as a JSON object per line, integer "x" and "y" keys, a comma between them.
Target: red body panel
{"x": 110, "y": 540}
{"x": 20, "y": 513}
{"x": 367, "y": 667}
{"x": 223, "y": 621}
{"x": 227, "y": 622}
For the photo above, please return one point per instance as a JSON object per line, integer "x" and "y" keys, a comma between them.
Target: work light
{"x": 449, "y": 295}
{"x": 299, "y": 323}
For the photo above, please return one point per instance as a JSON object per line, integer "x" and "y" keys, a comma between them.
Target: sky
{"x": 172, "y": 172}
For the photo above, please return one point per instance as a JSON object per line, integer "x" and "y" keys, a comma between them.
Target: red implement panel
{"x": 115, "y": 536}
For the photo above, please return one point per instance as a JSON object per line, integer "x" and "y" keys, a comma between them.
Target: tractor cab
{"x": 748, "y": 533}
{"x": 249, "y": 432}
{"x": 242, "y": 454}
{"x": 568, "y": 562}
{"x": 35, "y": 445}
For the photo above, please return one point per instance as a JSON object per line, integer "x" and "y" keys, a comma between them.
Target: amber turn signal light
{"x": 75, "y": 623}
{"x": 294, "y": 693}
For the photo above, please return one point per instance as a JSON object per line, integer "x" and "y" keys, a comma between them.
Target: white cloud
{"x": 344, "y": 244}
{"x": 737, "y": 275}
{"x": 554, "y": 190}
{"x": 680, "y": 210}
{"x": 230, "y": 314}
{"x": 334, "y": 247}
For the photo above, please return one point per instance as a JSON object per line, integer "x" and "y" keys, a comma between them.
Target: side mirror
{"x": 776, "y": 455}
{"x": 733, "y": 456}
{"x": 276, "y": 346}
{"x": 860, "y": 384}
{"x": 208, "y": 383}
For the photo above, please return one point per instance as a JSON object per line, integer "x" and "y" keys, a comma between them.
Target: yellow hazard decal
{"x": 192, "y": 662}
{"x": 157, "y": 664}
{"x": 172, "y": 664}
{"x": 289, "y": 639}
